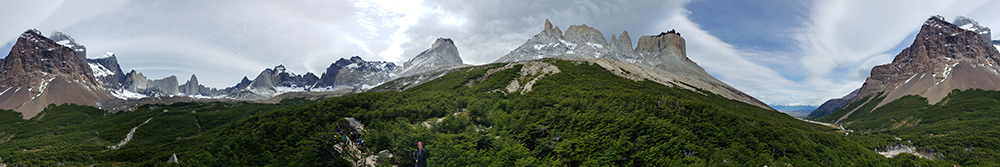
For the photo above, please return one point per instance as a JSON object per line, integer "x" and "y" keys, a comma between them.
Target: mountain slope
{"x": 832, "y": 105}
{"x": 663, "y": 55}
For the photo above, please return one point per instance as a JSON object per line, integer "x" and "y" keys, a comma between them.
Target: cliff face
{"x": 39, "y": 71}
{"x": 664, "y": 54}
{"x": 136, "y": 82}
{"x": 107, "y": 71}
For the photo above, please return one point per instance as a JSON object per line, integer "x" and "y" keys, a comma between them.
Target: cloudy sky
{"x": 782, "y": 52}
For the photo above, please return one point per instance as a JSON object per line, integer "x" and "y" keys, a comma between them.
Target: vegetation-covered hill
{"x": 963, "y": 129}
{"x": 581, "y": 116}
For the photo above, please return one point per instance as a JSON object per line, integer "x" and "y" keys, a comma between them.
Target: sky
{"x": 781, "y": 52}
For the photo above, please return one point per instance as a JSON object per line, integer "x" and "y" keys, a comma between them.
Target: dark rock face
{"x": 279, "y": 77}
{"x": 107, "y": 71}
{"x": 39, "y": 71}
{"x": 34, "y": 56}
{"x": 243, "y": 84}
{"x": 938, "y": 48}
{"x": 832, "y": 105}
{"x": 355, "y": 67}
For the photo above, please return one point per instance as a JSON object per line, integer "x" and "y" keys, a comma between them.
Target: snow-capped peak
{"x": 105, "y": 55}
{"x": 99, "y": 70}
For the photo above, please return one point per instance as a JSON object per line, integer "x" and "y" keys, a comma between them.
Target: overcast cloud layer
{"x": 805, "y": 53}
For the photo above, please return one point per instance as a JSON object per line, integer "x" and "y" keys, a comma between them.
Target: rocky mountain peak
{"x": 548, "y": 25}
{"x": 624, "y": 39}
{"x": 107, "y": 70}
{"x": 551, "y": 31}
{"x": 584, "y": 34}
{"x": 670, "y": 41}
{"x": 65, "y": 40}
{"x": 942, "y": 57}
{"x": 442, "y": 54}
{"x": 278, "y": 69}
{"x": 193, "y": 79}
{"x": 971, "y": 25}
{"x": 832, "y": 105}
{"x": 34, "y": 57}
{"x": 356, "y": 59}
{"x": 244, "y": 82}
{"x": 443, "y": 41}
{"x": 42, "y": 71}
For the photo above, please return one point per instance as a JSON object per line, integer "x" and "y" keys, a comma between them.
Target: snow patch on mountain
{"x": 100, "y": 70}
{"x": 105, "y": 55}
{"x": 5, "y": 90}
{"x": 41, "y": 87}
{"x": 125, "y": 94}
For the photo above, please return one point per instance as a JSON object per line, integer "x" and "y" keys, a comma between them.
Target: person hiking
{"x": 420, "y": 155}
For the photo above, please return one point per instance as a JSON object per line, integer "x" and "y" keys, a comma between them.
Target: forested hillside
{"x": 583, "y": 115}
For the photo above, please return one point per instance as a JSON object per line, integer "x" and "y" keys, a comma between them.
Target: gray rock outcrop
{"x": 136, "y": 82}
{"x": 442, "y": 55}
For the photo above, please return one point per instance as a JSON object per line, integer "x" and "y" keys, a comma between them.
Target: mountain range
{"x": 661, "y": 58}
{"x": 101, "y": 81}
{"x": 42, "y": 70}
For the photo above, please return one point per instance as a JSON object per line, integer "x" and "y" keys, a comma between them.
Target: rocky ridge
{"x": 663, "y": 54}
{"x": 832, "y": 105}
{"x": 37, "y": 64}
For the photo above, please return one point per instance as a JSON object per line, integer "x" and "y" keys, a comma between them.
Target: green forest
{"x": 964, "y": 128}
{"x": 581, "y": 116}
